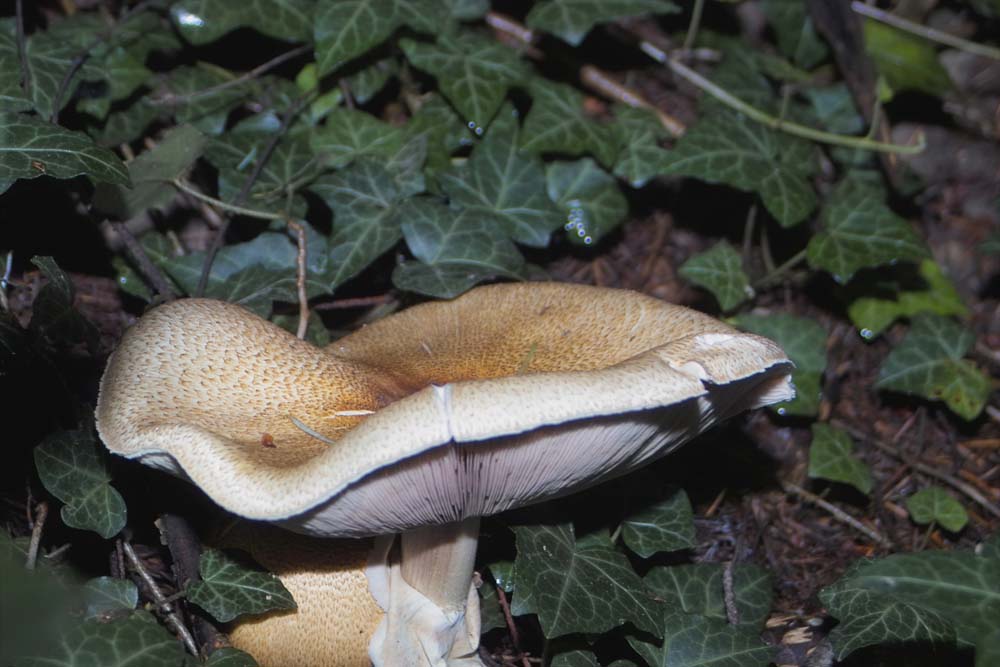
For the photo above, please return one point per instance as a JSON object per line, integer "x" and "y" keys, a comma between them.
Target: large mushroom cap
{"x": 508, "y": 395}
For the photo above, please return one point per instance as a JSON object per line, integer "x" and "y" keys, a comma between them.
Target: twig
{"x": 692, "y": 31}
{"x": 969, "y": 490}
{"x": 161, "y": 602}
{"x": 768, "y": 120}
{"x": 774, "y": 274}
{"x": 150, "y": 271}
{"x": 729, "y": 593}
{"x": 84, "y": 55}
{"x": 5, "y": 280}
{"x": 300, "y": 278}
{"x": 356, "y": 302}
{"x": 836, "y": 512}
{"x": 22, "y": 51}
{"x": 933, "y": 35}
{"x": 515, "y": 638}
{"x": 186, "y": 187}
{"x": 220, "y": 235}
{"x": 41, "y": 513}
{"x": 171, "y": 99}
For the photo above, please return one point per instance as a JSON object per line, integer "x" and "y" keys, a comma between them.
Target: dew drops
{"x": 186, "y": 18}
{"x": 577, "y": 221}
{"x": 476, "y": 128}
{"x": 867, "y": 333}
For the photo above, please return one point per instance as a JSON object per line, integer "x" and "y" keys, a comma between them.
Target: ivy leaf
{"x": 933, "y": 504}
{"x": 831, "y": 456}
{"x": 720, "y": 271}
{"x": 557, "y": 123}
{"x": 573, "y": 19}
{"x": 928, "y": 362}
{"x": 505, "y": 185}
{"x": 473, "y": 73}
{"x": 229, "y": 588}
{"x": 577, "y": 586}
{"x": 666, "y": 525}
{"x": 805, "y": 342}
{"x": 796, "y": 34}
{"x": 367, "y": 218}
{"x": 463, "y": 247}
{"x": 988, "y": 650}
{"x": 589, "y": 196}
{"x": 491, "y": 616}
{"x": 348, "y": 28}
{"x": 906, "y": 62}
{"x": 694, "y": 641}
{"x": 698, "y": 589}
{"x": 349, "y": 135}
{"x": 48, "y": 58}
{"x": 12, "y": 97}
{"x": 127, "y": 125}
{"x": 105, "y": 596}
{"x": 873, "y": 315}
{"x": 958, "y": 586}
{"x": 727, "y": 147}
{"x": 638, "y": 133}
{"x": 369, "y": 81}
{"x": 443, "y": 129}
{"x": 194, "y": 95}
{"x": 575, "y": 659}
{"x": 204, "y": 21}
{"x": 860, "y": 231}
{"x": 230, "y": 657}
{"x": 868, "y": 618}
{"x": 150, "y": 173}
{"x": 53, "y": 317}
{"x": 30, "y": 147}
{"x": 137, "y": 639}
{"x": 71, "y": 466}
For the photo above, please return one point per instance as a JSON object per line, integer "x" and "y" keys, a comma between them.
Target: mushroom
{"x": 424, "y": 421}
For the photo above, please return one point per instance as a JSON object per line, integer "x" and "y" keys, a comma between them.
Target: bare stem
{"x": 836, "y": 512}
{"x": 692, "y": 32}
{"x": 186, "y": 187}
{"x": 161, "y": 601}
{"x": 733, "y": 102}
{"x": 300, "y": 278}
{"x": 438, "y": 561}
{"x": 149, "y": 270}
{"x": 41, "y": 513}
{"x": 931, "y": 34}
{"x": 774, "y": 274}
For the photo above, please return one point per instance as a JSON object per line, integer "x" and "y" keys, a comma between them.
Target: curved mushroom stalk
{"x": 506, "y": 396}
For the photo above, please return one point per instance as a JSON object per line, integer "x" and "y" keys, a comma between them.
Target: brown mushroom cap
{"x": 508, "y": 395}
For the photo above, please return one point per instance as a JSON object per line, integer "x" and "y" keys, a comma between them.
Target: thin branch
{"x": 355, "y": 302}
{"x": 41, "y": 513}
{"x": 969, "y": 490}
{"x": 692, "y": 31}
{"x": 265, "y": 156}
{"x": 931, "y": 34}
{"x": 84, "y": 55}
{"x": 836, "y": 512}
{"x": 161, "y": 601}
{"x": 170, "y": 99}
{"x": 150, "y": 271}
{"x": 186, "y": 187}
{"x": 773, "y": 122}
{"x": 774, "y": 274}
{"x": 300, "y": 279}
{"x": 22, "y": 51}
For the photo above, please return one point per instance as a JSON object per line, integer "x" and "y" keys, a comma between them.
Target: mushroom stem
{"x": 438, "y": 561}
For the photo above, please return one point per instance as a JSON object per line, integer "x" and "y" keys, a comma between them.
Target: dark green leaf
{"x": 473, "y": 73}
{"x": 203, "y": 21}
{"x": 720, "y": 271}
{"x": 12, "y": 96}
{"x": 860, "y": 231}
{"x": 557, "y": 123}
{"x": 368, "y": 82}
{"x": 934, "y": 504}
{"x": 467, "y": 10}
{"x": 868, "y": 618}
{"x": 928, "y": 362}
{"x": 505, "y": 186}
{"x": 347, "y": 28}
{"x": 125, "y": 126}
{"x": 831, "y": 456}
{"x": 873, "y": 315}
{"x": 796, "y": 34}
{"x": 697, "y": 641}
{"x": 491, "y": 616}
{"x": 667, "y": 525}
{"x": 804, "y": 341}
{"x": 230, "y": 657}
{"x": 573, "y": 19}
{"x": 589, "y": 196}
{"x": 53, "y": 316}
{"x": 575, "y": 659}
{"x": 350, "y": 134}
{"x": 726, "y": 147}
{"x": 577, "y": 587}
{"x": 30, "y": 147}
{"x": 137, "y": 639}
{"x": 195, "y": 95}
{"x": 229, "y": 589}
{"x": 988, "y": 650}
{"x": 834, "y": 107}
{"x": 959, "y": 586}
{"x": 72, "y": 468}
{"x": 640, "y": 157}
{"x": 698, "y": 589}
{"x": 106, "y": 596}
{"x": 443, "y": 129}
{"x": 905, "y": 61}
{"x": 453, "y": 243}
{"x": 150, "y": 173}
